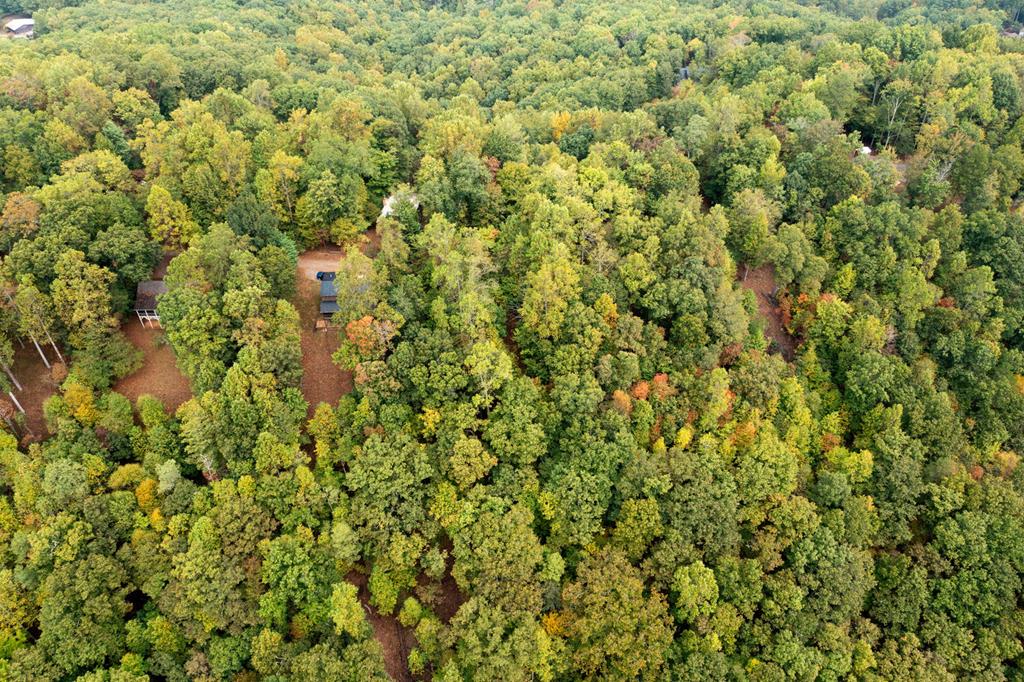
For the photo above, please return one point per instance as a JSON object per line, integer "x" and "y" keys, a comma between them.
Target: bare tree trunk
{"x": 16, "y": 403}
{"x": 10, "y": 425}
{"x": 41, "y": 354}
{"x": 55, "y": 350}
{"x": 892, "y": 120}
{"x": 13, "y": 379}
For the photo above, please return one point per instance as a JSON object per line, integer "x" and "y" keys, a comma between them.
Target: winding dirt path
{"x": 394, "y": 638}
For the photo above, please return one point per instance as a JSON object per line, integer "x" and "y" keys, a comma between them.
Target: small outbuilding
{"x": 146, "y": 295}
{"x": 328, "y": 299}
{"x": 20, "y": 28}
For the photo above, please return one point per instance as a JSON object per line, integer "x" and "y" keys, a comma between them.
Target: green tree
{"x": 617, "y": 627}
{"x": 82, "y": 301}
{"x": 169, "y": 220}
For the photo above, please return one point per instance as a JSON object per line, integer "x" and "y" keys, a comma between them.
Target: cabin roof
{"x": 18, "y": 24}
{"x": 147, "y": 292}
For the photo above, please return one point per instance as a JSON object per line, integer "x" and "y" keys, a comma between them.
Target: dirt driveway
{"x": 322, "y": 380}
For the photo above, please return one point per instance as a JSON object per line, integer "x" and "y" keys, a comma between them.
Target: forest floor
{"x": 394, "y": 638}
{"x": 160, "y": 271}
{"x": 445, "y": 596}
{"x": 902, "y": 165}
{"x": 159, "y": 375}
{"x": 761, "y": 281}
{"x": 37, "y": 384}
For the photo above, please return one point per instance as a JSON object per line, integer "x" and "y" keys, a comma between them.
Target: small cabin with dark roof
{"x": 146, "y": 295}
{"x": 328, "y": 300}
{"x": 328, "y": 297}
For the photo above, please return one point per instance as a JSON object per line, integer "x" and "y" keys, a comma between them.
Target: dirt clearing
{"x": 36, "y": 383}
{"x": 159, "y": 375}
{"x": 324, "y": 259}
{"x": 322, "y": 380}
{"x": 761, "y": 281}
{"x": 443, "y": 596}
{"x": 902, "y": 165}
{"x": 394, "y": 638}
{"x": 160, "y": 272}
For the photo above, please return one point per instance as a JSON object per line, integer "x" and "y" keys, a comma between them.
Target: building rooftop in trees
{"x": 20, "y": 27}
{"x": 147, "y": 292}
{"x": 390, "y": 202}
{"x": 328, "y": 295}
{"x": 145, "y": 301}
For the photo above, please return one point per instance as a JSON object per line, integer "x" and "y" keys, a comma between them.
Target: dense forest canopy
{"x": 692, "y": 348}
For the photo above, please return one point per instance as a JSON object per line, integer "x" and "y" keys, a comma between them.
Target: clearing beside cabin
{"x": 322, "y": 380}
{"x": 159, "y": 375}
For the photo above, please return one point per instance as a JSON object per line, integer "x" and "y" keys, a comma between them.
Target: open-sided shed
{"x": 146, "y": 295}
{"x": 20, "y": 27}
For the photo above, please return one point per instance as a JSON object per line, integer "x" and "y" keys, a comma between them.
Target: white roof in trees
{"x": 389, "y": 203}
{"x": 18, "y": 24}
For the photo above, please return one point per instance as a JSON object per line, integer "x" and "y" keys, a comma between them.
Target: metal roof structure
{"x": 328, "y": 290}
{"x": 147, "y": 292}
{"x": 19, "y": 24}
